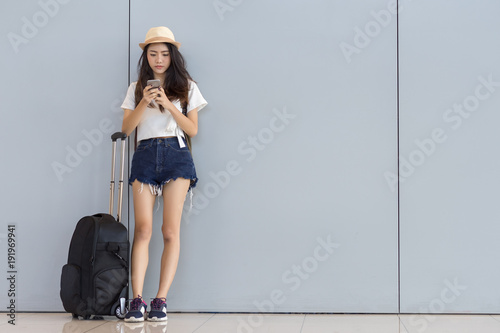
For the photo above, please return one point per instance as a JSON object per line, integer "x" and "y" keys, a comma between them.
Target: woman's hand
{"x": 162, "y": 99}
{"x": 149, "y": 93}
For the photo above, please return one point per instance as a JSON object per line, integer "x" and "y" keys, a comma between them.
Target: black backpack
{"x": 96, "y": 275}
{"x": 95, "y": 279}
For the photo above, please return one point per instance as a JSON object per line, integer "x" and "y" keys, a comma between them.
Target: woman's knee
{"x": 170, "y": 234}
{"x": 143, "y": 232}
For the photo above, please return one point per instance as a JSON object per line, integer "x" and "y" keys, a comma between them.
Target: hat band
{"x": 159, "y": 40}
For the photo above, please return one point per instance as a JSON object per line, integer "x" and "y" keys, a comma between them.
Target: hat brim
{"x": 159, "y": 40}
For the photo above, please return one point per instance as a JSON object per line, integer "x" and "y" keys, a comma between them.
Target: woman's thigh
{"x": 144, "y": 202}
{"x": 174, "y": 195}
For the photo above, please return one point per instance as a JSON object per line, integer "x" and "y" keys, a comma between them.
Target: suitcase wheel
{"x": 119, "y": 311}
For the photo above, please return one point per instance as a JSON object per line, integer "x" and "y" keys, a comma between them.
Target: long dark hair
{"x": 176, "y": 84}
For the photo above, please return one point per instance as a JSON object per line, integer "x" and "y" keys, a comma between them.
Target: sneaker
{"x": 158, "y": 310}
{"x": 136, "y": 312}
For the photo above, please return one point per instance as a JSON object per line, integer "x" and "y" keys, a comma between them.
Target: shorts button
{"x": 159, "y": 141}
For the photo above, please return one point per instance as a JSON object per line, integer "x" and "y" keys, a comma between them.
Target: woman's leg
{"x": 174, "y": 194}
{"x": 144, "y": 202}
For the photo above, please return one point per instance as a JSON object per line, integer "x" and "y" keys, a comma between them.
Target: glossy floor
{"x": 256, "y": 323}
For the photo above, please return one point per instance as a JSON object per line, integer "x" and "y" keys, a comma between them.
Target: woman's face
{"x": 158, "y": 58}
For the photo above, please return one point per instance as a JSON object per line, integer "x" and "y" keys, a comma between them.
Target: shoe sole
{"x": 156, "y": 319}
{"x": 133, "y": 320}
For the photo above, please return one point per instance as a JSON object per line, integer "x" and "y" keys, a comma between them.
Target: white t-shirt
{"x": 155, "y": 123}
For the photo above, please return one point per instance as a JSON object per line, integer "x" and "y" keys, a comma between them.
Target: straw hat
{"x": 159, "y": 35}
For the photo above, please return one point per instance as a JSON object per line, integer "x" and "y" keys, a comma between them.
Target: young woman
{"x": 162, "y": 164}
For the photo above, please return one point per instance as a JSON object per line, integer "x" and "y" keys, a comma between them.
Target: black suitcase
{"x": 94, "y": 282}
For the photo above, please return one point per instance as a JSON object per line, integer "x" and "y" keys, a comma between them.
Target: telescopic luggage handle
{"x": 118, "y": 135}
{"x": 114, "y": 137}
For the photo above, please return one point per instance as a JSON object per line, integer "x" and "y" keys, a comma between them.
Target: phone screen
{"x": 154, "y": 83}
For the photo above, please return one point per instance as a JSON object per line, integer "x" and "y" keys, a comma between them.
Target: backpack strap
{"x": 188, "y": 138}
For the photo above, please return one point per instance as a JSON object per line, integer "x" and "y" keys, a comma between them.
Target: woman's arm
{"x": 189, "y": 123}
{"x": 132, "y": 118}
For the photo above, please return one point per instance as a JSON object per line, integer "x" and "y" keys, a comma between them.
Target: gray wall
{"x": 297, "y": 206}
{"x": 59, "y": 104}
{"x": 449, "y": 193}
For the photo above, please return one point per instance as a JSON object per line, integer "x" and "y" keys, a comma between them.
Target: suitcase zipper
{"x": 94, "y": 245}
{"x": 92, "y": 261}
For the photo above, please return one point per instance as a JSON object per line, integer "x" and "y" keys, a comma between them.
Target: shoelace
{"x": 136, "y": 303}
{"x": 157, "y": 303}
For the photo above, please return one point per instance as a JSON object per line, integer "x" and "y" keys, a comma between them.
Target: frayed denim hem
{"x": 157, "y": 190}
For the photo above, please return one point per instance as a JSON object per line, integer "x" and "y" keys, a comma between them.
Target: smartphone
{"x": 154, "y": 83}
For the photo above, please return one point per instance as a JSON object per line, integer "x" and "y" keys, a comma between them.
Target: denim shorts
{"x": 159, "y": 160}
